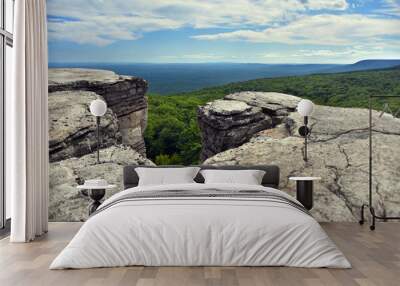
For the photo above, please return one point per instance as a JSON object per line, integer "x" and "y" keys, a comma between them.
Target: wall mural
{"x": 190, "y": 82}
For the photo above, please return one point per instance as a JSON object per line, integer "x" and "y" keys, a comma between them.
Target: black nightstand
{"x": 304, "y": 190}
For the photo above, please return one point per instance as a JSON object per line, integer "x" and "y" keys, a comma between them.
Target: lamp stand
{"x": 98, "y": 138}
{"x": 305, "y": 138}
{"x": 305, "y": 131}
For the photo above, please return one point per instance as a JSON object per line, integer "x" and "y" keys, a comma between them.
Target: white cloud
{"x": 325, "y": 29}
{"x": 102, "y": 29}
{"x": 327, "y": 4}
{"x": 354, "y": 51}
{"x": 331, "y": 55}
{"x": 391, "y": 7}
{"x": 102, "y": 22}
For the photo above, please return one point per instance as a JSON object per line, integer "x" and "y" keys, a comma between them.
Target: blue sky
{"x": 257, "y": 31}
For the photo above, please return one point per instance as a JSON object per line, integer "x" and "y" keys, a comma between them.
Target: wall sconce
{"x": 305, "y": 108}
{"x": 98, "y": 108}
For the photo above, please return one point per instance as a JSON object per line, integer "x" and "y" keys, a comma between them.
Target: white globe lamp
{"x": 305, "y": 108}
{"x": 98, "y": 108}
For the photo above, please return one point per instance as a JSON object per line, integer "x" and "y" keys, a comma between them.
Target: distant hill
{"x": 346, "y": 89}
{"x": 172, "y": 135}
{"x": 172, "y": 78}
{"x": 363, "y": 65}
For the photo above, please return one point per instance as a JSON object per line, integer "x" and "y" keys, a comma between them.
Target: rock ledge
{"x": 338, "y": 152}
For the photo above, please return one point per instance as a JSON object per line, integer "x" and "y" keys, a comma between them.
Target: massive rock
{"x": 338, "y": 153}
{"x": 66, "y": 203}
{"x": 72, "y": 128}
{"x": 73, "y": 134}
{"x": 227, "y": 124}
{"x": 125, "y": 96}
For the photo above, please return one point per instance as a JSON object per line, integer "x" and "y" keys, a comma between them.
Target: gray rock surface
{"x": 273, "y": 103}
{"x": 125, "y": 96}
{"x": 338, "y": 152}
{"x": 72, "y": 128}
{"x": 64, "y": 78}
{"x": 66, "y": 203}
{"x": 73, "y": 134}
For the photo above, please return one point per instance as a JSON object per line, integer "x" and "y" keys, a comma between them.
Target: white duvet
{"x": 199, "y": 231}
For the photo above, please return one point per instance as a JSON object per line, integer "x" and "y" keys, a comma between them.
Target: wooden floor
{"x": 375, "y": 257}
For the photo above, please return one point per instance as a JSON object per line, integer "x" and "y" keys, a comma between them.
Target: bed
{"x": 198, "y": 224}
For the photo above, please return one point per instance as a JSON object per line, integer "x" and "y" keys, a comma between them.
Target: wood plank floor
{"x": 375, "y": 257}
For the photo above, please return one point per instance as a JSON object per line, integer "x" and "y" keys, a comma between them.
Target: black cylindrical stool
{"x": 304, "y": 190}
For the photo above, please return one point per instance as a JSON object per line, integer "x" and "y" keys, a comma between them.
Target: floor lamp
{"x": 98, "y": 108}
{"x": 305, "y": 108}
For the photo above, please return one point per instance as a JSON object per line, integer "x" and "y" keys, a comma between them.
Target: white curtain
{"x": 27, "y": 148}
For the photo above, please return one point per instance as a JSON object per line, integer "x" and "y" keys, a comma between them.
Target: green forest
{"x": 173, "y": 136}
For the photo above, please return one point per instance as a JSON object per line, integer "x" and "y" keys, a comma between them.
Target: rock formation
{"x": 338, "y": 152}
{"x": 125, "y": 96}
{"x": 227, "y": 124}
{"x": 66, "y": 203}
{"x": 72, "y": 128}
{"x": 72, "y": 132}
{"x": 231, "y": 122}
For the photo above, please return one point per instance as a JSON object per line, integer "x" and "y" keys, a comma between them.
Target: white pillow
{"x": 248, "y": 177}
{"x": 166, "y": 176}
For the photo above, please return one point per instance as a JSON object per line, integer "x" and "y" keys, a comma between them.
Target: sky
{"x": 243, "y": 31}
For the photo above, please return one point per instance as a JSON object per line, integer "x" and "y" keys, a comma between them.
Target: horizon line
{"x": 205, "y": 63}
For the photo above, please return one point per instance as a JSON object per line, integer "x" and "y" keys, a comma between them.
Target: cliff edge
{"x": 72, "y": 134}
{"x": 72, "y": 127}
{"x": 338, "y": 149}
